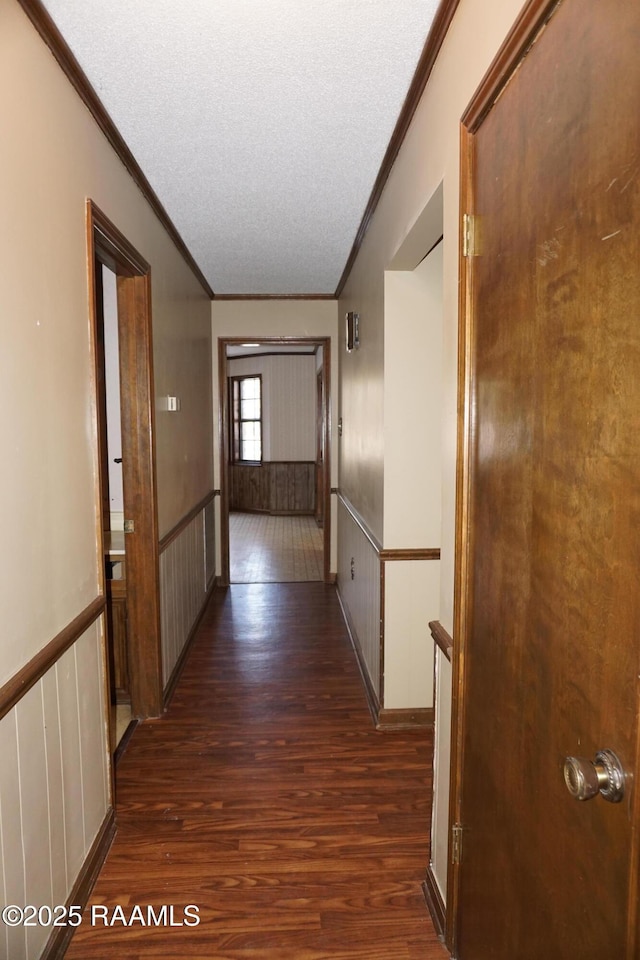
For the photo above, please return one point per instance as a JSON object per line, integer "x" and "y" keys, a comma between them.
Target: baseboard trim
{"x": 180, "y": 662}
{"x": 406, "y": 719}
{"x": 435, "y": 903}
{"x": 372, "y": 699}
{"x": 124, "y": 742}
{"x": 81, "y": 891}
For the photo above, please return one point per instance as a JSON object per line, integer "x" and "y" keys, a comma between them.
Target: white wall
{"x": 288, "y": 403}
{"x": 412, "y": 404}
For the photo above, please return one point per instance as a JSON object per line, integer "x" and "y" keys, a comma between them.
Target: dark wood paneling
{"x": 186, "y": 520}
{"x": 83, "y": 886}
{"x": 74, "y": 73}
{"x": 443, "y": 639}
{"x": 434, "y": 41}
{"x": 14, "y": 689}
{"x": 276, "y": 487}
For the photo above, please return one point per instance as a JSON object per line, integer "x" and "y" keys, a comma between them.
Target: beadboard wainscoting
{"x": 187, "y": 560}
{"x": 388, "y": 597}
{"x": 436, "y": 880}
{"x": 55, "y": 788}
{"x": 359, "y": 591}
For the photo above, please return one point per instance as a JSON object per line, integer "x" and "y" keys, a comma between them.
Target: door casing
{"x": 223, "y": 432}
{"x": 107, "y": 245}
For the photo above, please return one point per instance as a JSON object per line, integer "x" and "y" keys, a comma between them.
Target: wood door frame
{"x": 108, "y": 246}
{"x": 531, "y": 21}
{"x": 320, "y": 441}
{"x": 223, "y": 434}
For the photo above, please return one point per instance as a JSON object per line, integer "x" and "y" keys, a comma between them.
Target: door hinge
{"x": 129, "y": 526}
{"x": 456, "y": 843}
{"x": 470, "y": 235}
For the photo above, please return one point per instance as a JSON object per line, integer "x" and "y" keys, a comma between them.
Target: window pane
{"x": 250, "y": 430}
{"x": 250, "y": 388}
{"x": 251, "y": 450}
{"x": 250, "y": 410}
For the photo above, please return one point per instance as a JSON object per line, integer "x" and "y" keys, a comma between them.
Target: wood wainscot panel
{"x": 278, "y": 487}
{"x": 293, "y": 487}
{"x": 249, "y": 487}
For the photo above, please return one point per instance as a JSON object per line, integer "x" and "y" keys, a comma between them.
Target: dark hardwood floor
{"x": 266, "y": 798}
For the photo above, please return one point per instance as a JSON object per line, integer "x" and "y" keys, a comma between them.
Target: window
{"x": 246, "y": 419}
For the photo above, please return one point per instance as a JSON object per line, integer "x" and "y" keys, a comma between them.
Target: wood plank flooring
{"x": 265, "y": 797}
{"x": 266, "y": 549}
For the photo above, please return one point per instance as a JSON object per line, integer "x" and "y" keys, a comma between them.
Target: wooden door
{"x": 549, "y": 535}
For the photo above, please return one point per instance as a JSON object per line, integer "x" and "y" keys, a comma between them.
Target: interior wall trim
{"x": 81, "y": 891}
{"x": 372, "y": 697}
{"x": 442, "y": 638}
{"x": 405, "y": 718}
{"x": 78, "y": 79}
{"x": 181, "y": 525}
{"x": 435, "y": 903}
{"x": 434, "y": 41}
{"x": 384, "y": 553}
{"x": 355, "y": 516}
{"x": 274, "y": 296}
{"x": 15, "y": 688}
{"x": 419, "y": 553}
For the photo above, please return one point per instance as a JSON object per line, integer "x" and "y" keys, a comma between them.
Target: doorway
{"x": 271, "y": 480}
{"x": 136, "y": 613}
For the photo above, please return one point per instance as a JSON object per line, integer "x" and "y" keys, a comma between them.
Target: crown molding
{"x": 431, "y": 49}
{"x": 49, "y": 32}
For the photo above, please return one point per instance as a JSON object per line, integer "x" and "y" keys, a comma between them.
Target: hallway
{"x": 266, "y": 798}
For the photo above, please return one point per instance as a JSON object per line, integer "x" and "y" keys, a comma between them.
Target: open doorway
{"x": 274, "y": 454}
{"x": 131, "y": 552}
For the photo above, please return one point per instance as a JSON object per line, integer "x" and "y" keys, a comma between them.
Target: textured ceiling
{"x": 260, "y": 124}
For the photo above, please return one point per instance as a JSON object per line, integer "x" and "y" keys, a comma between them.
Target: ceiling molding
{"x": 432, "y": 46}
{"x": 76, "y": 76}
{"x": 274, "y": 296}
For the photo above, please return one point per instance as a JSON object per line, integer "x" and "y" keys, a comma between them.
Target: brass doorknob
{"x": 605, "y": 775}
